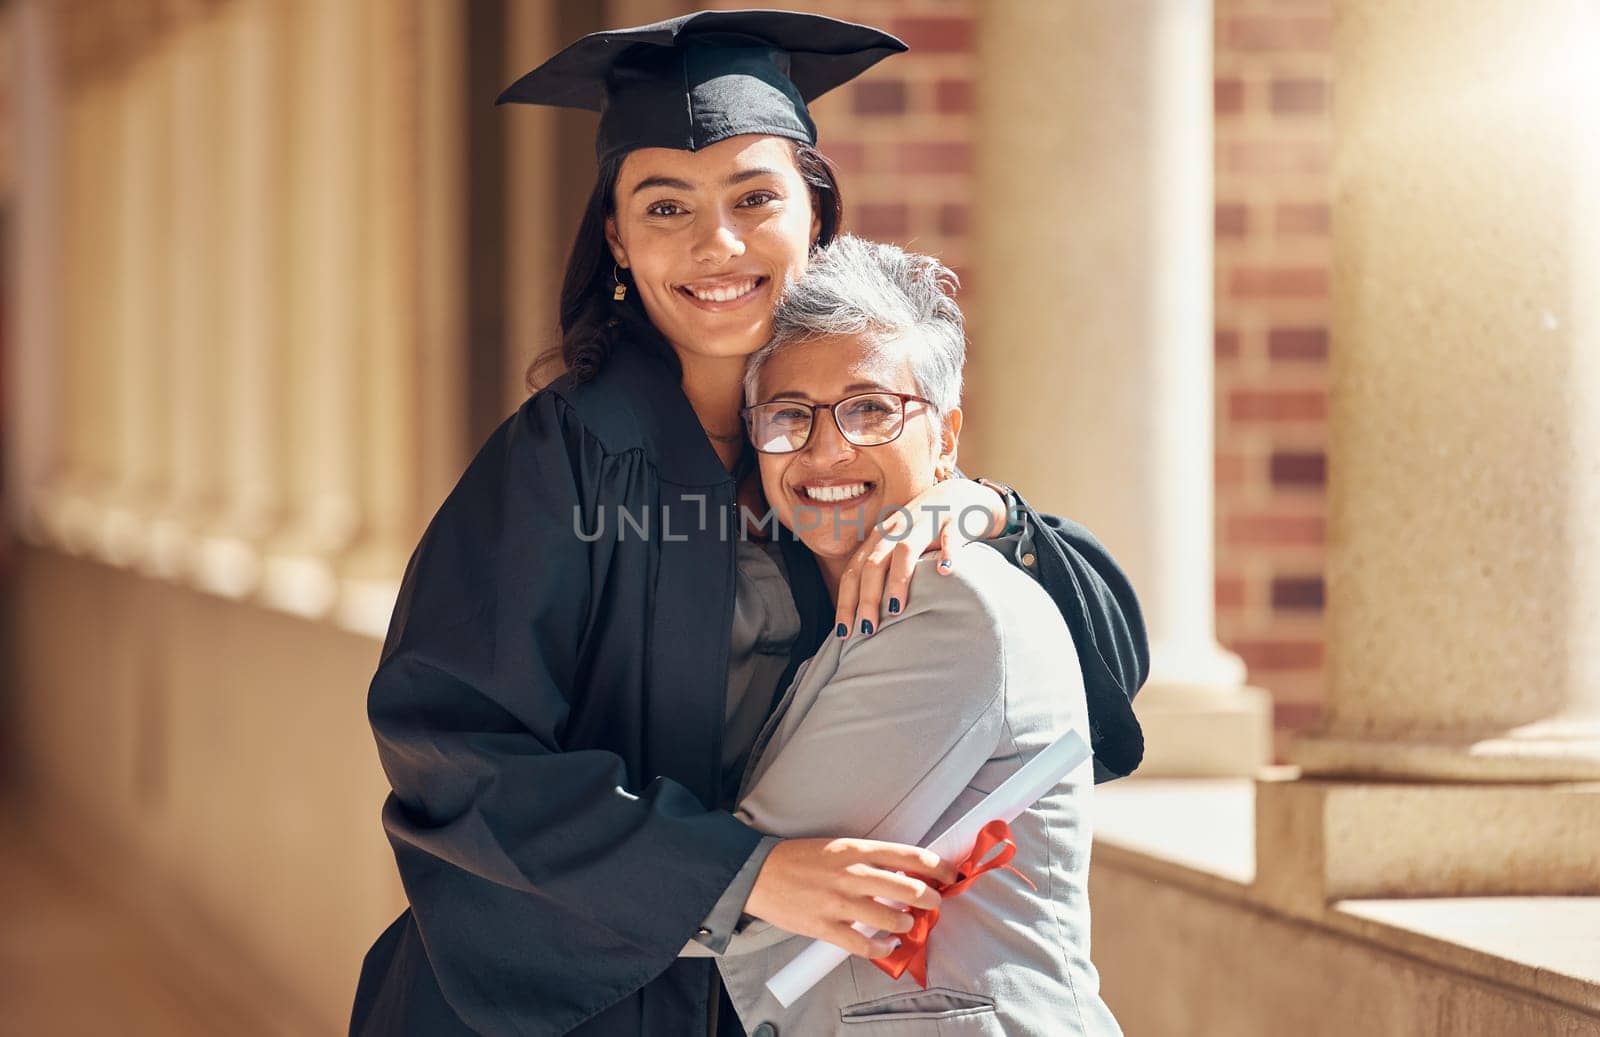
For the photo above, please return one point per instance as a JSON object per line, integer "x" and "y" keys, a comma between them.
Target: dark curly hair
{"x": 592, "y": 325}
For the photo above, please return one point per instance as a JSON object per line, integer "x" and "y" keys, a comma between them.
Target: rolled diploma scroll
{"x": 1014, "y": 795}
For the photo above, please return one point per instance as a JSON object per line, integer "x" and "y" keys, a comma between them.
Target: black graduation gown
{"x": 548, "y": 708}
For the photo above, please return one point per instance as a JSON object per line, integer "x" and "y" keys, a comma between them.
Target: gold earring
{"x": 620, "y": 292}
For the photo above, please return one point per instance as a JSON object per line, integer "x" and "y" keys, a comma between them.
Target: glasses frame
{"x": 747, "y": 413}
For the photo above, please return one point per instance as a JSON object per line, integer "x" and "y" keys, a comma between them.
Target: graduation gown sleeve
{"x": 545, "y": 880}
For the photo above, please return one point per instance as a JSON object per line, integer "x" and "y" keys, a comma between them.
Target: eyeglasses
{"x": 869, "y": 419}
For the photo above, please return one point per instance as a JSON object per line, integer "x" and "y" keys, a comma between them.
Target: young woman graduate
{"x": 572, "y": 677}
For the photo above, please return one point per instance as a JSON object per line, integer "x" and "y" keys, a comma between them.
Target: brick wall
{"x": 902, "y": 139}
{"x": 901, "y": 135}
{"x": 1273, "y": 137}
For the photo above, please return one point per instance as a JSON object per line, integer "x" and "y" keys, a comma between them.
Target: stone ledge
{"x": 1379, "y": 840}
{"x": 1199, "y": 834}
{"x": 1545, "y": 945}
{"x": 1203, "y": 824}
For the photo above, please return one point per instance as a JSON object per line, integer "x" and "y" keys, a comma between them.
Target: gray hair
{"x": 854, "y": 287}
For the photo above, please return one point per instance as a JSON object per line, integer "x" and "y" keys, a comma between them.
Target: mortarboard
{"x": 689, "y": 82}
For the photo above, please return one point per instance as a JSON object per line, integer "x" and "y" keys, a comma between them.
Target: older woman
{"x": 854, "y": 408}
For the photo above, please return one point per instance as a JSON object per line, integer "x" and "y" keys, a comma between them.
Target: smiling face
{"x": 830, "y": 491}
{"x": 710, "y": 237}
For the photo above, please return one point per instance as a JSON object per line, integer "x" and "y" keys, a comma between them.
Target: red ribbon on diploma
{"x": 912, "y": 954}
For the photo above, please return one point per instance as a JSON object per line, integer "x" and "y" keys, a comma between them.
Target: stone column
{"x": 1091, "y": 363}
{"x": 141, "y": 303}
{"x": 72, "y": 507}
{"x": 535, "y": 253}
{"x": 252, "y": 272}
{"x": 33, "y": 307}
{"x": 191, "y": 389}
{"x": 1464, "y": 556}
{"x": 442, "y": 209}
{"x": 324, "y": 409}
{"x": 389, "y": 297}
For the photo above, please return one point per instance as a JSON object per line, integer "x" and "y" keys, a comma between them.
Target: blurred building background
{"x": 273, "y": 268}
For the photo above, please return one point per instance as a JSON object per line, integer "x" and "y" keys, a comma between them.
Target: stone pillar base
{"x": 1193, "y": 731}
{"x": 229, "y": 566}
{"x": 1552, "y": 751}
{"x": 368, "y": 586}
{"x": 69, "y": 517}
{"x": 1320, "y": 841}
{"x": 304, "y": 585}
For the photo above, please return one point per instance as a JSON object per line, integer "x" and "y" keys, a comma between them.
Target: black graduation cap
{"x": 691, "y": 81}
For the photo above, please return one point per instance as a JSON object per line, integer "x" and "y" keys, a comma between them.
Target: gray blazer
{"x": 873, "y": 739}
